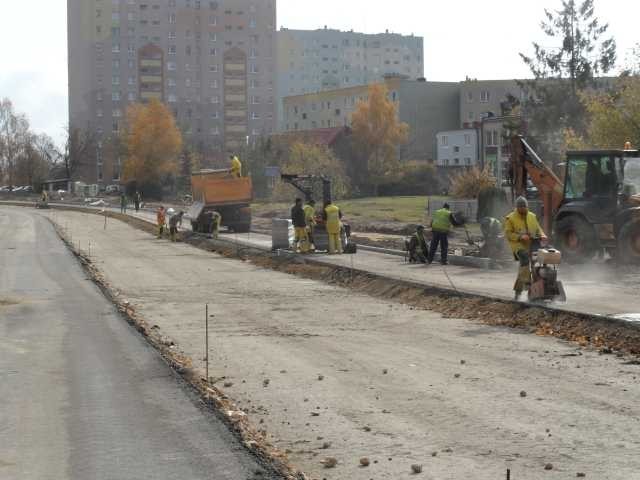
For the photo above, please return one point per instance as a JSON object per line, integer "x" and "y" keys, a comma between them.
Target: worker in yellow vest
{"x": 236, "y": 166}
{"x": 310, "y": 220}
{"x": 332, "y": 216}
{"x": 441, "y": 224}
{"x": 522, "y": 230}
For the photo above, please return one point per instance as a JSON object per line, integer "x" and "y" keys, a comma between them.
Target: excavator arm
{"x": 525, "y": 163}
{"x": 304, "y": 184}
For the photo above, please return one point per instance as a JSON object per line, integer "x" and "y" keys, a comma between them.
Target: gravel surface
{"x": 336, "y": 377}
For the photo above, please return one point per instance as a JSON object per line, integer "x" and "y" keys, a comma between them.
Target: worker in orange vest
{"x": 161, "y": 218}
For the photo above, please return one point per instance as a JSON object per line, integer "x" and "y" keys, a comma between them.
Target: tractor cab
{"x": 601, "y": 191}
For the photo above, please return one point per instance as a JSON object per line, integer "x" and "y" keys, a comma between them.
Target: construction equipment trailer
{"x": 595, "y": 210}
{"x": 218, "y": 190}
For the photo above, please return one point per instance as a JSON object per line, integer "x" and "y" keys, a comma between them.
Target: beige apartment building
{"x": 427, "y": 107}
{"x": 212, "y": 62}
{"x": 328, "y": 59}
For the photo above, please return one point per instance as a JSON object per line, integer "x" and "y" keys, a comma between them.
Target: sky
{"x": 462, "y": 38}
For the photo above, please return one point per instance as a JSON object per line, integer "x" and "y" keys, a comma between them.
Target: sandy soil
{"x": 320, "y": 366}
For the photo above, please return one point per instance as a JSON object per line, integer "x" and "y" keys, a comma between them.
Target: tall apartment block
{"x": 314, "y": 60}
{"x": 212, "y": 62}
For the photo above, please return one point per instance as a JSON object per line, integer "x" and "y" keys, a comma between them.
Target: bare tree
{"x": 14, "y": 137}
{"x": 79, "y": 148}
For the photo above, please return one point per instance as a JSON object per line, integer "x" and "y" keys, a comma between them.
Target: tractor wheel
{"x": 576, "y": 239}
{"x": 629, "y": 243}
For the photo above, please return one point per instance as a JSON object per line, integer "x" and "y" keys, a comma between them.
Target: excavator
{"x": 595, "y": 210}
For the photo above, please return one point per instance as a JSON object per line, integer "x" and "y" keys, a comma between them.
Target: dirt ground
{"x": 331, "y": 373}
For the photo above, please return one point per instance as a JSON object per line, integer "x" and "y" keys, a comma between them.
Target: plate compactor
{"x": 545, "y": 286}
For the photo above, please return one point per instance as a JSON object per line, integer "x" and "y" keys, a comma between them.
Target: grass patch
{"x": 374, "y": 209}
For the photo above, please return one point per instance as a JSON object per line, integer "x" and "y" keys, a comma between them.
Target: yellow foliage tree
{"x": 309, "y": 159}
{"x": 152, "y": 142}
{"x": 614, "y": 118}
{"x": 378, "y": 133}
{"x": 468, "y": 183}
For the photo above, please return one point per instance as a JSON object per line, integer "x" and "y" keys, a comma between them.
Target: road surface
{"x": 83, "y": 395}
{"x": 596, "y": 289}
{"x": 332, "y": 373}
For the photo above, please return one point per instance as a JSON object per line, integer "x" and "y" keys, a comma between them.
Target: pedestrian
{"x": 123, "y": 203}
{"x": 310, "y": 220}
{"x": 417, "y": 247}
{"x": 137, "y": 199}
{"x": 236, "y": 166}
{"x": 441, "y": 225}
{"x": 174, "y": 222}
{"x": 522, "y": 230}
{"x": 161, "y": 217}
{"x": 301, "y": 244}
{"x": 332, "y": 216}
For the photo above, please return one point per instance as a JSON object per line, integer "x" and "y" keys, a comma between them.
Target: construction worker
{"x": 417, "y": 247}
{"x": 310, "y": 220}
{"x": 123, "y": 203}
{"x": 332, "y": 216}
{"x": 441, "y": 225}
{"x": 161, "y": 220}
{"x": 215, "y": 220}
{"x": 301, "y": 244}
{"x": 491, "y": 229}
{"x": 236, "y": 166}
{"x": 521, "y": 229}
{"x": 137, "y": 200}
{"x": 174, "y": 222}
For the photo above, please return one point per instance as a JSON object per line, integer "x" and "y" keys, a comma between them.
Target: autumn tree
{"x": 378, "y": 134}
{"x": 309, "y": 159}
{"x": 152, "y": 143}
{"x": 613, "y": 118}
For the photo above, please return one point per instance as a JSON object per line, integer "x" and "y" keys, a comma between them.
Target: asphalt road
{"x": 83, "y": 395}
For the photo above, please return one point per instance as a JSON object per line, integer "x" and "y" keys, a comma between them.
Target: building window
{"x": 484, "y": 96}
{"x": 467, "y": 139}
{"x": 172, "y": 50}
{"x": 172, "y": 98}
{"x": 215, "y": 99}
{"x": 115, "y": 96}
{"x": 131, "y": 96}
{"x": 467, "y": 161}
{"x": 255, "y": 116}
{"x": 99, "y": 113}
{"x": 214, "y": 84}
{"x": 115, "y": 80}
{"x": 456, "y": 149}
{"x": 172, "y": 18}
{"x": 213, "y": 68}
{"x": 215, "y": 131}
{"x": 471, "y": 116}
{"x": 444, "y": 141}
{"x": 469, "y": 97}
{"x": 171, "y": 66}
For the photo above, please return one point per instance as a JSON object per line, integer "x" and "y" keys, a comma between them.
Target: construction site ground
{"x": 331, "y": 373}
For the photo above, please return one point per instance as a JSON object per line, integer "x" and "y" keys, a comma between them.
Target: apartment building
{"x": 212, "y": 62}
{"x": 457, "y": 148}
{"x": 480, "y": 99}
{"x": 327, "y": 59}
{"x": 427, "y": 107}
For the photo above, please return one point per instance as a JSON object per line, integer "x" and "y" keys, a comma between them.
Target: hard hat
{"x": 627, "y": 145}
